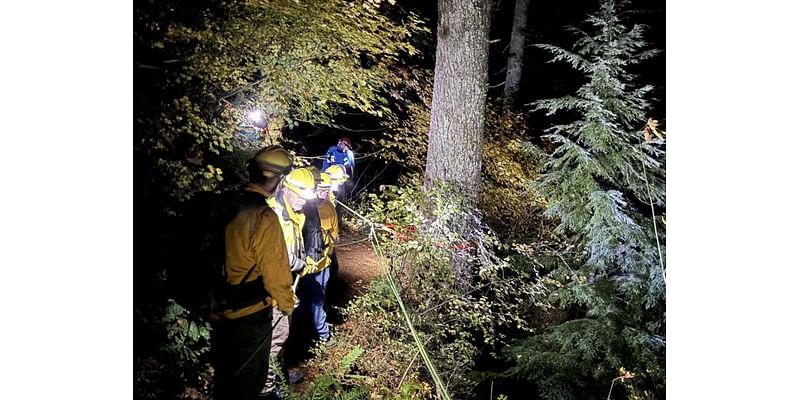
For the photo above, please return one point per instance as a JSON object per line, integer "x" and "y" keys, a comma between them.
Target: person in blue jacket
{"x": 341, "y": 154}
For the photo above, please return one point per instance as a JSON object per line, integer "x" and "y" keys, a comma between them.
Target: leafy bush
{"x": 509, "y": 202}
{"x": 202, "y": 66}
{"x": 334, "y": 381}
{"x": 405, "y": 141}
{"x": 458, "y": 317}
{"x": 177, "y": 365}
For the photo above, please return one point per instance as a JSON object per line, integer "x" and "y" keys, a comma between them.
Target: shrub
{"x": 457, "y": 320}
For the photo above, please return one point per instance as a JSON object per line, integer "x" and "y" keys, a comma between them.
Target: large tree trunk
{"x": 455, "y": 139}
{"x": 516, "y": 49}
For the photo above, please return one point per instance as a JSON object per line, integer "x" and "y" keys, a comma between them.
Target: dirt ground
{"x": 357, "y": 267}
{"x": 358, "y": 264}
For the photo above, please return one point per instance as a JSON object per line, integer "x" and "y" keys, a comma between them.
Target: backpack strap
{"x": 244, "y": 279}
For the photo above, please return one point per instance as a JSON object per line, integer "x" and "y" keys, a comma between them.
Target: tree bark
{"x": 515, "y": 52}
{"x": 455, "y": 138}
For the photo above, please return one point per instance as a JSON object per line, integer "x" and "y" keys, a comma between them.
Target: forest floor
{"x": 358, "y": 266}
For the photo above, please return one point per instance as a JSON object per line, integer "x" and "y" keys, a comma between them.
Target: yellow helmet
{"x": 314, "y": 172}
{"x": 301, "y": 182}
{"x": 273, "y": 161}
{"x": 337, "y": 173}
{"x": 325, "y": 181}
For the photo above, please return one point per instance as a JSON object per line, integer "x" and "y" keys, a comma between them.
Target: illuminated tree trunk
{"x": 516, "y": 49}
{"x": 455, "y": 139}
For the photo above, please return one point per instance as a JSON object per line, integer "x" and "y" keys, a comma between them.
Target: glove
{"x": 275, "y": 309}
{"x": 298, "y": 265}
{"x": 284, "y": 313}
{"x": 296, "y": 301}
{"x": 310, "y": 268}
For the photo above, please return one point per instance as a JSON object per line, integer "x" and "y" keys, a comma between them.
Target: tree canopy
{"x": 202, "y": 65}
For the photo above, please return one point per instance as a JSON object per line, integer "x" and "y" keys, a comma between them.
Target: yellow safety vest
{"x": 292, "y": 225}
{"x": 330, "y": 231}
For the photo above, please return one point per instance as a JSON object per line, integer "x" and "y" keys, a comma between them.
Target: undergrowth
{"x": 457, "y": 322}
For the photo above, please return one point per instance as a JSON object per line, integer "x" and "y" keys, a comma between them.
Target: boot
{"x": 295, "y": 376}
{"x": 331, "y": 342}
{"x": 271, "y": 395}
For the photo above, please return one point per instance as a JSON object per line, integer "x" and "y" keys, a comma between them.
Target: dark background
{"x": 541, "y": 79}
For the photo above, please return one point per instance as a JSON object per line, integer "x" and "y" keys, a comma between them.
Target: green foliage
{"x": 201, "y": 66}
{"x": 351, "y": 357}
{"x": 186, "y": 340}
{"x": 410, "y": 391}
{"x": 405, "y": 140}
{"x": 600, "y": 183}
{"x": 177, "y": 364}
{"x": 509, "y": 202}
{"x": 334, "y": 382}
{"x": 457, "y": 315}
{"x": 327, "y": 387}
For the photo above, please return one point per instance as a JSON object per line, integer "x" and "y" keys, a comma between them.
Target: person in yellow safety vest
{"x": 256, "y": 278}
{"x": 320, "y": 228}
{"x": 320, "y": 234}
{"x": 327, "y": 218}
{"x": 338, "y": 178}
{"x": 290, "y": 197}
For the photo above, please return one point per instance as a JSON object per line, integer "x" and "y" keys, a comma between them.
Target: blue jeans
{"x": 311, "y": 291}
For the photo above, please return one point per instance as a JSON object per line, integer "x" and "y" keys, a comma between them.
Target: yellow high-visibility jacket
{"x": 330, "y": 231}
{"x": 292, "y": 226}
{"x": 254, "y": 237}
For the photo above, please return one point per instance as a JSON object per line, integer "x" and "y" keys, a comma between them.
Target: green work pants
{"x": 233, "y": 342}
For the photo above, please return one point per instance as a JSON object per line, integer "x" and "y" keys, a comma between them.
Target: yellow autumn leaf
{"x": 652, "y": 124}
{"x": 624, "y": 374}
{"x": 650, "y": 128}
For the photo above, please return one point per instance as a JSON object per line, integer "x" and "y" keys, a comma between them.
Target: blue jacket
{"x": 336, "y": 156}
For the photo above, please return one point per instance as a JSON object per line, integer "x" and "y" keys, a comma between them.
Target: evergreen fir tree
{"x": 600, "y": 183}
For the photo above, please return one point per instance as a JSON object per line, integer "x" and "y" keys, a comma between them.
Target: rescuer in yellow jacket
{"x": 338, "y": 178}
{"x": 256, "y": 277}
{"x": 328, "y": 219}
{"x": 316, "y": 274}
{"x": 321, "y": 226}
{"x": 291, "y": 195}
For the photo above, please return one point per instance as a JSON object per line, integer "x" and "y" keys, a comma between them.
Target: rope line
{"x": 655, "y": 226}
{"x": 352, "y": 243}
{"x": 322, "y": 157}
{"x": 441, "y": 388}
{"x": 653, "y": 214}
{"x": 260, "y": 345}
